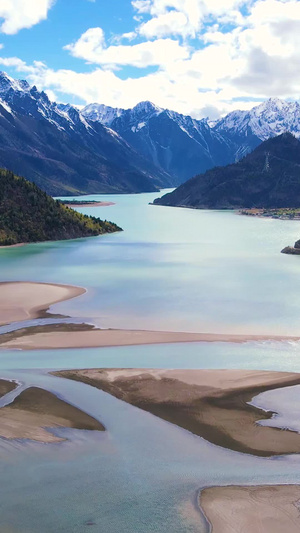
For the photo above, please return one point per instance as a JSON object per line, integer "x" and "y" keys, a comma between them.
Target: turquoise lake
{"x": 170, "y": 269}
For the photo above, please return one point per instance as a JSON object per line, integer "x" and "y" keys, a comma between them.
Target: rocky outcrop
{"x": 292, "y": 250}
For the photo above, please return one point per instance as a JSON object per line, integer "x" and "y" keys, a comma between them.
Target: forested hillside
{"x": 28, "y": 214}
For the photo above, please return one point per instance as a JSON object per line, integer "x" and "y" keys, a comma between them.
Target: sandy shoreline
{"x": 209, "y": 403}
{"x": 20, "y": 300}
{"x": 253, "y": 509}
{"x": 26, "y": 300}
{"x": 50, "y": 337}
{"x": 90, "y": 204}
{"x": 34, "y": 410}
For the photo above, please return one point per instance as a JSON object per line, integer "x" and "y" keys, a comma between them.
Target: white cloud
{"x": 19, "y": 14}
{"x": 92, "y": 48}
{"x": 257, "y": 58}
{"x": 184, "y": 17}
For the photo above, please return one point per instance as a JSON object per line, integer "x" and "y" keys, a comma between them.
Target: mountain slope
{"x": 268, "y": 177}
{"x": 28, "y": 214}
{"x": 55, "y": 146}
{"x": 175, "y": 143}
{"x": 247, "y": 129}
{"x": 184, "y": 146}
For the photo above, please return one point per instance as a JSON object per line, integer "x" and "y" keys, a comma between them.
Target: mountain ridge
{"x": 184, "y": 146}
{"x": 64, "y": 153}
{"x": 269, "y": 177}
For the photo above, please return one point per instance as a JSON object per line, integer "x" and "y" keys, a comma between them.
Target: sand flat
{"x": 97, "y": 338}
{"x": 209, "y": 403}
{"x": 35, "y": 409}
{"x": 255, "y": 509}
{"x": 21, "y": 300}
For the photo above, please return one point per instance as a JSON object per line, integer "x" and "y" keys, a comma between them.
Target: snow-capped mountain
{"x": 101, "y": 113}
{"x": 184, "y": 146}
{"x": 178, "y": 144}
{"x": 246, "y": 129}
{"x": 105, "y": 149}
{"x": 266, "y": 120}
{"x": 62, "y": 151}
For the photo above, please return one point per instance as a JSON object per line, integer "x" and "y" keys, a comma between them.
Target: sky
{"x": 202, "y": 58}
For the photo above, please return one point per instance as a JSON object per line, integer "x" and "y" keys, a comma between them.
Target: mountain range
{"x": 183, "y": 146}
{"x": 268, "y": 177}
{"x": 64, "y": 153}
{"x": 102, "y": 149}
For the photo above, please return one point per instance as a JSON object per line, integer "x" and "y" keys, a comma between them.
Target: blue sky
{"x": 199, "y": 57}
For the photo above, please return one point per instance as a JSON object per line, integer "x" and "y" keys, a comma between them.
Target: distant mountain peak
{"x": 146, "y": 107}
{"x": 8, "y": 83}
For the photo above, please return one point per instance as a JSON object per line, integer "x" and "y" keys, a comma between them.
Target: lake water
{"x": 171, "y": 269}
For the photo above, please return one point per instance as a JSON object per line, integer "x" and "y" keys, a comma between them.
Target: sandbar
{"x": 209, "y": 403}
{"x": 252, "y": 509}
{"x": 6, "y": 386}
{"x": 89, "y": 204}
{"x": 51, "y": 337}
{"x": 20, "y": 300}
{"x": 36, "y": 409}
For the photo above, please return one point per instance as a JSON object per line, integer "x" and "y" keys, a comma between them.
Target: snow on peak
{"x": 7, "y": 83}
{"x": 268, "y": 119}
{"x": 146, "y": 108}
{"x": 101, "y": 113}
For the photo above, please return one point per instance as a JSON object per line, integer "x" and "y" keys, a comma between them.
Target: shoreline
{"x": 251, "y": 509}
{"x": 212, "y": 404}
{"x": 72, "y": 336}
{"x": 22, "y": 300}
{"x": 36, "y": 411}
{"x": 89, "y": 204}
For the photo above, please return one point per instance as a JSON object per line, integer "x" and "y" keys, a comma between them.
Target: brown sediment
{"x": 6, "y": 386}
{"x": 52, "y": 338}
{"x": 89, "y": 204}
{"x": 252, "y": 509}
{"x": 209, "y": 403}
{"x": 20, "y": 300}
{"x": 36, "y": 409}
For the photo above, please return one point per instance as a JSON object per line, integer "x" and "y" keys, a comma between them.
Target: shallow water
{"x": 170, "y": 269}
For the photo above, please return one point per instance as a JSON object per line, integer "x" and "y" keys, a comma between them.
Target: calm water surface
{"x": 170, "y": 269}
{"x": 173, "y": 269}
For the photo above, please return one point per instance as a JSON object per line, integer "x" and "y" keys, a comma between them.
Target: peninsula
{"x": 28, "y": 214}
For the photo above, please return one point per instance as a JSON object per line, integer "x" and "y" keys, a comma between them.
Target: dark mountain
{"x": 175, "y": 143}
{"x": 28, "y": 214}
{"x": 268, "y": 177}
{"x": 57, "y": 148}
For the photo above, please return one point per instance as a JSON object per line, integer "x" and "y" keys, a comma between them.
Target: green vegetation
{"x": 28, "y": 214}
{"x": 282, "y": 214}
{"x": 268, "y": 178}
{"x": 78, "y": 202}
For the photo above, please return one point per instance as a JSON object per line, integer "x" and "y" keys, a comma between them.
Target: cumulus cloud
{"x": 91, "y": 47}
{"x": 205, "y": 56}
{"x": 19, "y": 14}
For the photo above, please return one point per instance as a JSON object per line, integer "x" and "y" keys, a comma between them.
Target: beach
{"x": 26, "y": 300}
{"x": 34, "y": 410}
{"x": 209, "y": 403}
{"x": 74, "y": 336}
{"x": 253, "y": 509}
